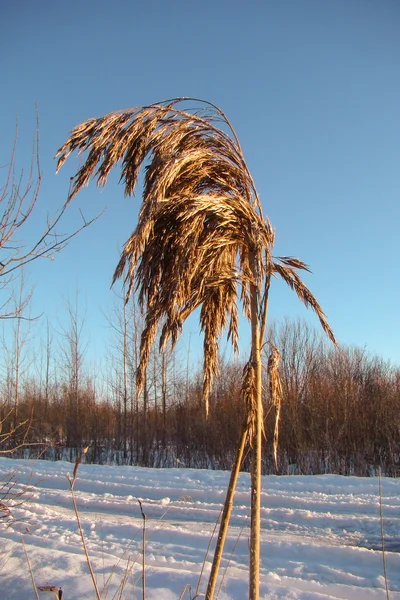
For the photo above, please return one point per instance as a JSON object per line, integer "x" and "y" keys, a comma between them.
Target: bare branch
{"x": 18, "y": 199}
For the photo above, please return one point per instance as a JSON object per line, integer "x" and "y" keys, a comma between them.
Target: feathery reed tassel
{"x": 275, "y": 390}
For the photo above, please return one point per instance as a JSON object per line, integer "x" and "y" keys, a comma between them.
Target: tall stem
{"x": 254, "y": 576}
{"x": 226, "y": 513}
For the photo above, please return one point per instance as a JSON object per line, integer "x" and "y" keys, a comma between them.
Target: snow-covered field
{"x": 320, "y": 535}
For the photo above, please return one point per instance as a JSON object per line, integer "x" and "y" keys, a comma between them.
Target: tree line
{"x": 339, "y": 406}
{"x": 339, "y": 409}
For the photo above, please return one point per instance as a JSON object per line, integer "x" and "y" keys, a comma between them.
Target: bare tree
{"x": 46, "y": 377}
{"x": 19, "y": 342}
{"x": 19, "y": 196}
{"x": 72, "y": 352}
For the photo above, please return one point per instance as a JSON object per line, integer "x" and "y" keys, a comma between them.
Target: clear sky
{"x": 312, "y": 88}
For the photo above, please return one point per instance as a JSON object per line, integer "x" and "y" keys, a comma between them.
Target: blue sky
{"x": 313, "y": 90}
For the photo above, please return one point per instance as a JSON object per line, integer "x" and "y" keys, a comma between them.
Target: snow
{"x": 321, "y": 535}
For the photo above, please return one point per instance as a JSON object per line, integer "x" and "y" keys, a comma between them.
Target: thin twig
{"x": 78, "y": 520}
{"x": 128, "y": 571}
{"x": 229, "y": 562}
{"x": 207, "y": 551}
{"x": 188, "y": 588}
{"x": 383, "y": 536}
{"x": 143, "y": 552}
{"x": 30, "y": 568}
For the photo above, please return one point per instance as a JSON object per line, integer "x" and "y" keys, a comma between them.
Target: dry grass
{"x": 275, "y": 392}
{"x": 201, "y": 242}
{"x": 199, "y": 222}
{"x": 71, "y": 481}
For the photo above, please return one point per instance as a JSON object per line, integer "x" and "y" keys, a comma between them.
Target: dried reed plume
{"x": 275, "y": 392}
{"x": 201, "y": 238}
{"x": 201, "y": 242}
